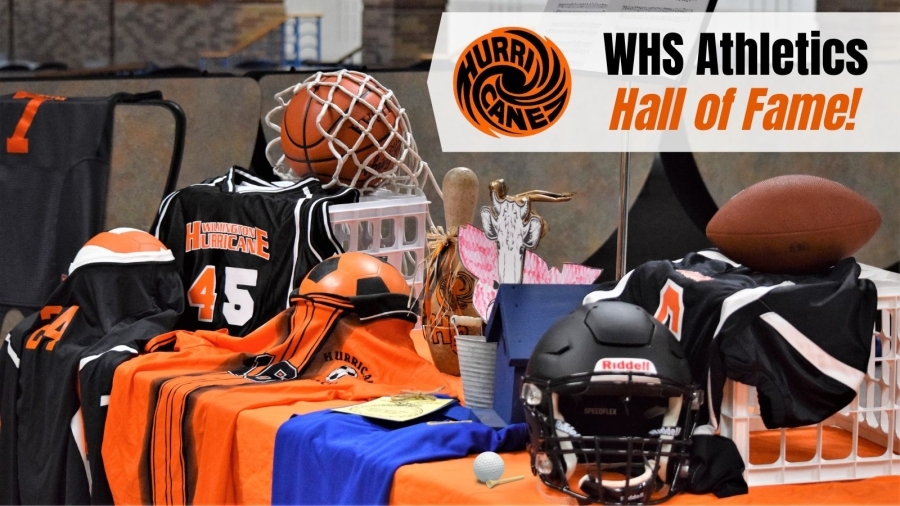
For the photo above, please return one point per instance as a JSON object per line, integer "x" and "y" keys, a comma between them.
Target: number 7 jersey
{"x": 243, "y": 244}
{"x": 54, "y": 172}
{"x": 803, "y": 341}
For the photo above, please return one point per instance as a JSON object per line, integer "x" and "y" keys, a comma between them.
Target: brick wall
{"x": 398, "y": 33}
{"x": 377, "y": 32}
{"x": 887, "y": 5}
{"x": 74, "y": 32}
{"x": 858, "y": 5}
{"x": 171, "y": 34}
{"x": 174, "y": 32}
{"x": 164, "y": 32}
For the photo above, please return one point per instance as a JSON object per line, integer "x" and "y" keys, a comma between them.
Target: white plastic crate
{"x": 860, "y": 441}
{"x": 388, "y": 225}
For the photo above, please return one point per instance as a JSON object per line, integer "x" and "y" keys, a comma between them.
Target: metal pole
{"x": 319, "y": 39}
{"x": 297, "y": 42}
{"x": 622, "y": 236}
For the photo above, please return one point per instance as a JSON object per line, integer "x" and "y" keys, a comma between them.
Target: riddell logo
{"x": 625, "y": 365}
{"x": 666, "y": 431}
{"x": 512, "y": 82}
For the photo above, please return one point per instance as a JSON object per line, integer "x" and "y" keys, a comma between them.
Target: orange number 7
{"x": 18, "y": 144}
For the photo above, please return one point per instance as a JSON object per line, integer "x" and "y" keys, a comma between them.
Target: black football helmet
{"x": 610, "y": 406}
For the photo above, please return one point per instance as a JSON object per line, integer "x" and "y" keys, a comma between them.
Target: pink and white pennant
{"x": 479, "y": 255}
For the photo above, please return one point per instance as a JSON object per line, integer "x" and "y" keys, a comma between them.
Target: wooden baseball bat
{"x": 460, "y": 188}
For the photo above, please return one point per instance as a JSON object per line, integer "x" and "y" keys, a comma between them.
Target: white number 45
{"x": 239, "y": 308}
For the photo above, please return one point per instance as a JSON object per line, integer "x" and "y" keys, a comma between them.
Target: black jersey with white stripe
{"x": 802, "y": 341}
{"x": 243, "y": 244}
{"x": 51, "y": 417}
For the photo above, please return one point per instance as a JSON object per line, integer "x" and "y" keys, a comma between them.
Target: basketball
{"x": 342, "y": 122}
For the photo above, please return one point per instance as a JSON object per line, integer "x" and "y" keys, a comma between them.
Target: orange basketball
{"x": 350, "y": 105}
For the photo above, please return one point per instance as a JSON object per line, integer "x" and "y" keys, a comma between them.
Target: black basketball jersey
{"x": 54, "y": 169}
{"x": 52, "y": 418}
{"x": 243, "y": 244}
{"x": 802, "y": 341}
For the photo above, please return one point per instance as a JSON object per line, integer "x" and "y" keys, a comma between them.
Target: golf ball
{"x": 488, "y": 466}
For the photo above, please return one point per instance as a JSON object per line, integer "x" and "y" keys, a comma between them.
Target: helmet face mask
{"x": 610, "y": 417}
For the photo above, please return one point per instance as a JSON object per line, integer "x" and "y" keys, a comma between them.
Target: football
{"x": 793, "y": 224}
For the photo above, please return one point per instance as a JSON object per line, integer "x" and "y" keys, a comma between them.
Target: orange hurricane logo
{"x": 512, "y": 82}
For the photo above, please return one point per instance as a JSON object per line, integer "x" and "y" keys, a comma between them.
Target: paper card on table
{"x": 397, "y": 409}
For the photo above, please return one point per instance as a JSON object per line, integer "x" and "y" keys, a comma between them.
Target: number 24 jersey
{"x": 243, "y": 244}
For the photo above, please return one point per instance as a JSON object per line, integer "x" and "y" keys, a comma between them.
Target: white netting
{"x": 397, "y": 149}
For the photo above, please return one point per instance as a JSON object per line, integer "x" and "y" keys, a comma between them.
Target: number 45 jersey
{"x": 243, "y": 244}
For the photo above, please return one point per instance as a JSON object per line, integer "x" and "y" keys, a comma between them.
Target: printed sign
{"x": 650, "y": 79}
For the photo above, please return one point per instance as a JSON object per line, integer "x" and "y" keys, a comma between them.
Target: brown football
{"x": 793, "y": 224}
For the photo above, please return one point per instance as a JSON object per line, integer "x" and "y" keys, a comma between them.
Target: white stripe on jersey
{"x": 731, "y": 305}
{"x": 229, "y": 183}
{"x": 713, "y": 420}
{"x": 12, "y": 353}
{"x": 296, "y": 249}
{"x": 127, "y": 349}
{"x": 246, "y": 175}
{"x": 715, "y": 255}
{"x": 215, "y": 181}
{"x": 741, "y": 298}
{"x": 309, "y": 229}
{"x": 811, "y": 351}
{"x": 251, "y": 188}
{"x": 329, "y": 230}
{"x": 77, "y": 426}
{"x": 324, "y": 201}
{"x": 163, "y": 207}
{"x": 610, "y": 294}
{"x": 240, "y": 181}
{"x": 398, "y": 312}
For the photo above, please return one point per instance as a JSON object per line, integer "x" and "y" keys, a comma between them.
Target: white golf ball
{"x": 488, "y": 466}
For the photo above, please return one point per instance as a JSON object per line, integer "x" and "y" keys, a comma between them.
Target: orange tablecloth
{"x": 453, "y": 482}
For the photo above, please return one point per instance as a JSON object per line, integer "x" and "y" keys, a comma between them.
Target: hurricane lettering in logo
{"x": 512, "y": 82}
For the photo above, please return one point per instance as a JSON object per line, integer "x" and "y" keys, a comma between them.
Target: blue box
{"x": 520, "y": 316}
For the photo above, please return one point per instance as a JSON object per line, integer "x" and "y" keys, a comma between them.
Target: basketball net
{"x": 407, "y": 170}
